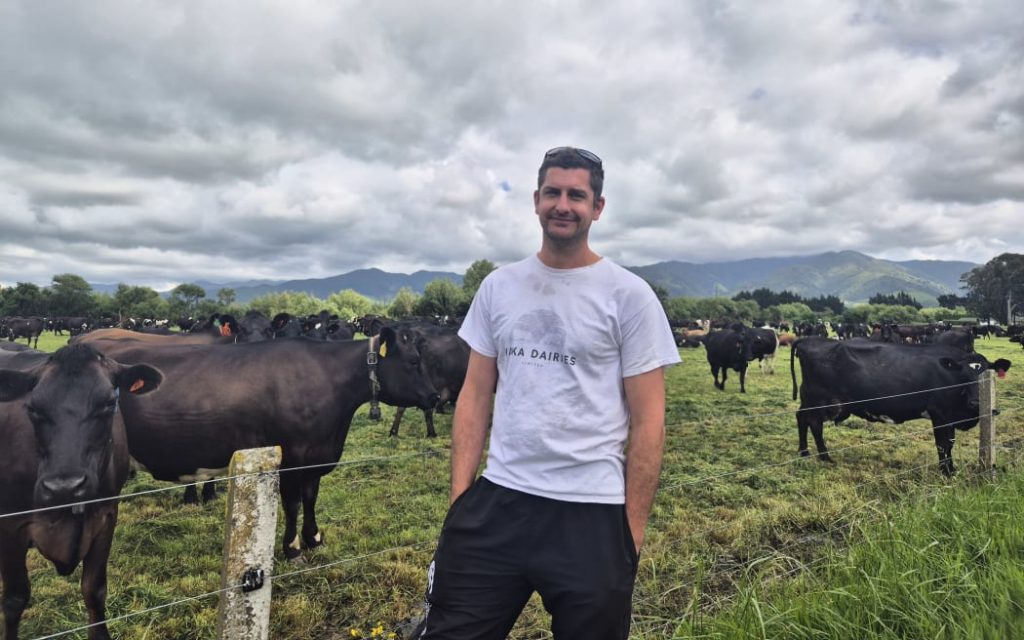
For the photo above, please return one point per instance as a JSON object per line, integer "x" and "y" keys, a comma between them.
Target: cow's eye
{"x": 107, "y": 407}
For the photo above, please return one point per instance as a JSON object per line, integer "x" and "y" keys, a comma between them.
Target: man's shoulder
{"x": 512, "y": 269}
{"x": 625, "y": 280}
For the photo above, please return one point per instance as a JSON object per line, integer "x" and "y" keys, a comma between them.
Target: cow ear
{"x": 387, "y": 340}
{"x": 139, "y": 379}
{"x": 15, "y": 384}
{"x": 1001, "y": 365}
{"x": 950, "y": 363}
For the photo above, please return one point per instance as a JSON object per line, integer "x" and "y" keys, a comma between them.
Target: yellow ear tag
{"x": 383, "y": 349}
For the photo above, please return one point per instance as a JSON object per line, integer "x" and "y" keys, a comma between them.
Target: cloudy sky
{"x": 155, "y": 142}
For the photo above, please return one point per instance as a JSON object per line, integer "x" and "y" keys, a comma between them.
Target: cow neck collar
{"x": 371, "y": 365}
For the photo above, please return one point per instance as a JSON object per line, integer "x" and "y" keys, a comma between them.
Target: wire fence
{"x": 667, "y": 485}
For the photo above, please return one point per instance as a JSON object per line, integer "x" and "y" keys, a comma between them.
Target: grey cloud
{"x": 160, "y": 139}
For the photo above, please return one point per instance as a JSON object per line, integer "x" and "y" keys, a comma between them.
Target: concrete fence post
{"x": 249, "y": 532}
{"x": 986, "y": 423}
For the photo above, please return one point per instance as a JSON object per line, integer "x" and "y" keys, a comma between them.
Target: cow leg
{"x": 817, "y": 430}
{"x": 743, "y": 380}
{"x": 399, "y": 412}
{"x": 801, "y": 427}
{"x": 14, "y": 575}
{"x": 191, "y": 495}
{"x": 428, "y": 416}
{"x": 944, "y": 438}
{"x": 94, "y": 579}
{"x": 209, "y": 491}
{"x": 290, "y": 501}
{"x": 311, "y": 537}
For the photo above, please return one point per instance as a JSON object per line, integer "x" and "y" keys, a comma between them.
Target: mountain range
{"x": 852, "y": 276}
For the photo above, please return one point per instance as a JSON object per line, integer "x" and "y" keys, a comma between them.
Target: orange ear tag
{"x": 225, "y": 330}
{"x": 138, "y": 384}
{"x": 383, "y": 349}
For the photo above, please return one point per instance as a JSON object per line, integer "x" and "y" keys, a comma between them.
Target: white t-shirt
{"x": 564, "y": 339}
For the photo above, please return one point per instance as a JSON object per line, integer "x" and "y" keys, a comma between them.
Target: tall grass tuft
{"x": 946, "y": 566}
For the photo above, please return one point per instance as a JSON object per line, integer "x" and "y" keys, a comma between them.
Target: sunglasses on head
{"x": 583, "y": 153}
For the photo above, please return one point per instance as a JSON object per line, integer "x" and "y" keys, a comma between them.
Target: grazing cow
{"x": 883, "y": 382}
{"x": 445, "y": 359}
{"x": 728, "y": 349}
{"x": 298, "y": 394}
{"x": 28, "y": 328}
{"x": 63, "y": 445}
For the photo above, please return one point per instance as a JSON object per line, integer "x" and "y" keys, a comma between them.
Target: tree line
{"x": 69, "y": 295}
{"x": 992, "y": 291}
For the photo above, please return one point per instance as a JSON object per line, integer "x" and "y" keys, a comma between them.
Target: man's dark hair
{"x": 570, "y": 158}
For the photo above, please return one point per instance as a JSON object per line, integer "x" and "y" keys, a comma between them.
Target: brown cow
{"x": 64, "y": 444}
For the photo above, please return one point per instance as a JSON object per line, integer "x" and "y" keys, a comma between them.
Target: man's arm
{"x": 471, "y": 420}
{"x": 645, "y": 395}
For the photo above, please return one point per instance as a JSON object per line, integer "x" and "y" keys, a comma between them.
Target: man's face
{"x": 565, "y": 205}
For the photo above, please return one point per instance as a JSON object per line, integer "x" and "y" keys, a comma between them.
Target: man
{"x": 573, "y": 349}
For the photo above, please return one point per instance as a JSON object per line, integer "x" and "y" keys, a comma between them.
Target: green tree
{"x": 794, "y": 312}
{"x": 138, "y": 302}
{"x": 24, "y": 299}
{"x": 716, "y": 308}
{"x": 768, "y": 298}
{"x": 681, "y": 309}
{"x": 996, "y": 289}
{"x": 70, "y": 295}
{"x": 349, "y": 304}
{"x": 293, "y": 302}
{"x": 226, "y": 296}
{"x": 185, "y": 298}
{"x": 951, "y": 300}
{"x": 404, "y": 304}
{"x": 441, "y": 297}
{"x": 475, "y": 274}
{"x": 900, "y": 299}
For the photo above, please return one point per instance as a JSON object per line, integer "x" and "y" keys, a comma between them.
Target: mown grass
{"x": 739, "y": 518}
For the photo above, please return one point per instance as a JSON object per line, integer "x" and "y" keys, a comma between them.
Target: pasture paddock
{"x": 735, "y": 494}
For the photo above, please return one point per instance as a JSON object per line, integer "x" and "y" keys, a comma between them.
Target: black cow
{"x": 445, "y": 359}
{"x": 28, "y": 328}
{"x": 63, "y": 445}
{"x": 958, "y": 338}
{"x": 884, "y": 382}
{"x": 298, "y": 394}
{"x": 728, "y": 349}
{"x": 764, "y": 343}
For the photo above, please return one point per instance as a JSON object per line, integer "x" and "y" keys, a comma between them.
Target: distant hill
{"x": 372, "y": 283}
{"x": 853, "y": 277}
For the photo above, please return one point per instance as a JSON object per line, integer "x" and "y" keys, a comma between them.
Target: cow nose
{"x": 65, "y": 487}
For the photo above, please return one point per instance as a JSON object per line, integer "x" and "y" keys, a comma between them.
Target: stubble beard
{"x": 562, "y": 242}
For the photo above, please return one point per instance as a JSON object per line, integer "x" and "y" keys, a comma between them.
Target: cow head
{"x": 71, "y": 400}
{"x": 403, "y": 379}
{"x": 968, "y": 370}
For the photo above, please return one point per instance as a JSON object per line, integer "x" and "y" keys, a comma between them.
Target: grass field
{"x": 739, "y": 517}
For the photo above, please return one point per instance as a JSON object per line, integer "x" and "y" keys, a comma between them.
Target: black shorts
{"x": 498, "y": 546}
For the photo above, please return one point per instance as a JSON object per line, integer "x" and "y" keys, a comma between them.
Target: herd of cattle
{"x": 181, "y": 403}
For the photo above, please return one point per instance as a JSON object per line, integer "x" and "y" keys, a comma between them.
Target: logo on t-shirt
{"x": 540, "y": 354}
{"x": 539, "y": 337}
